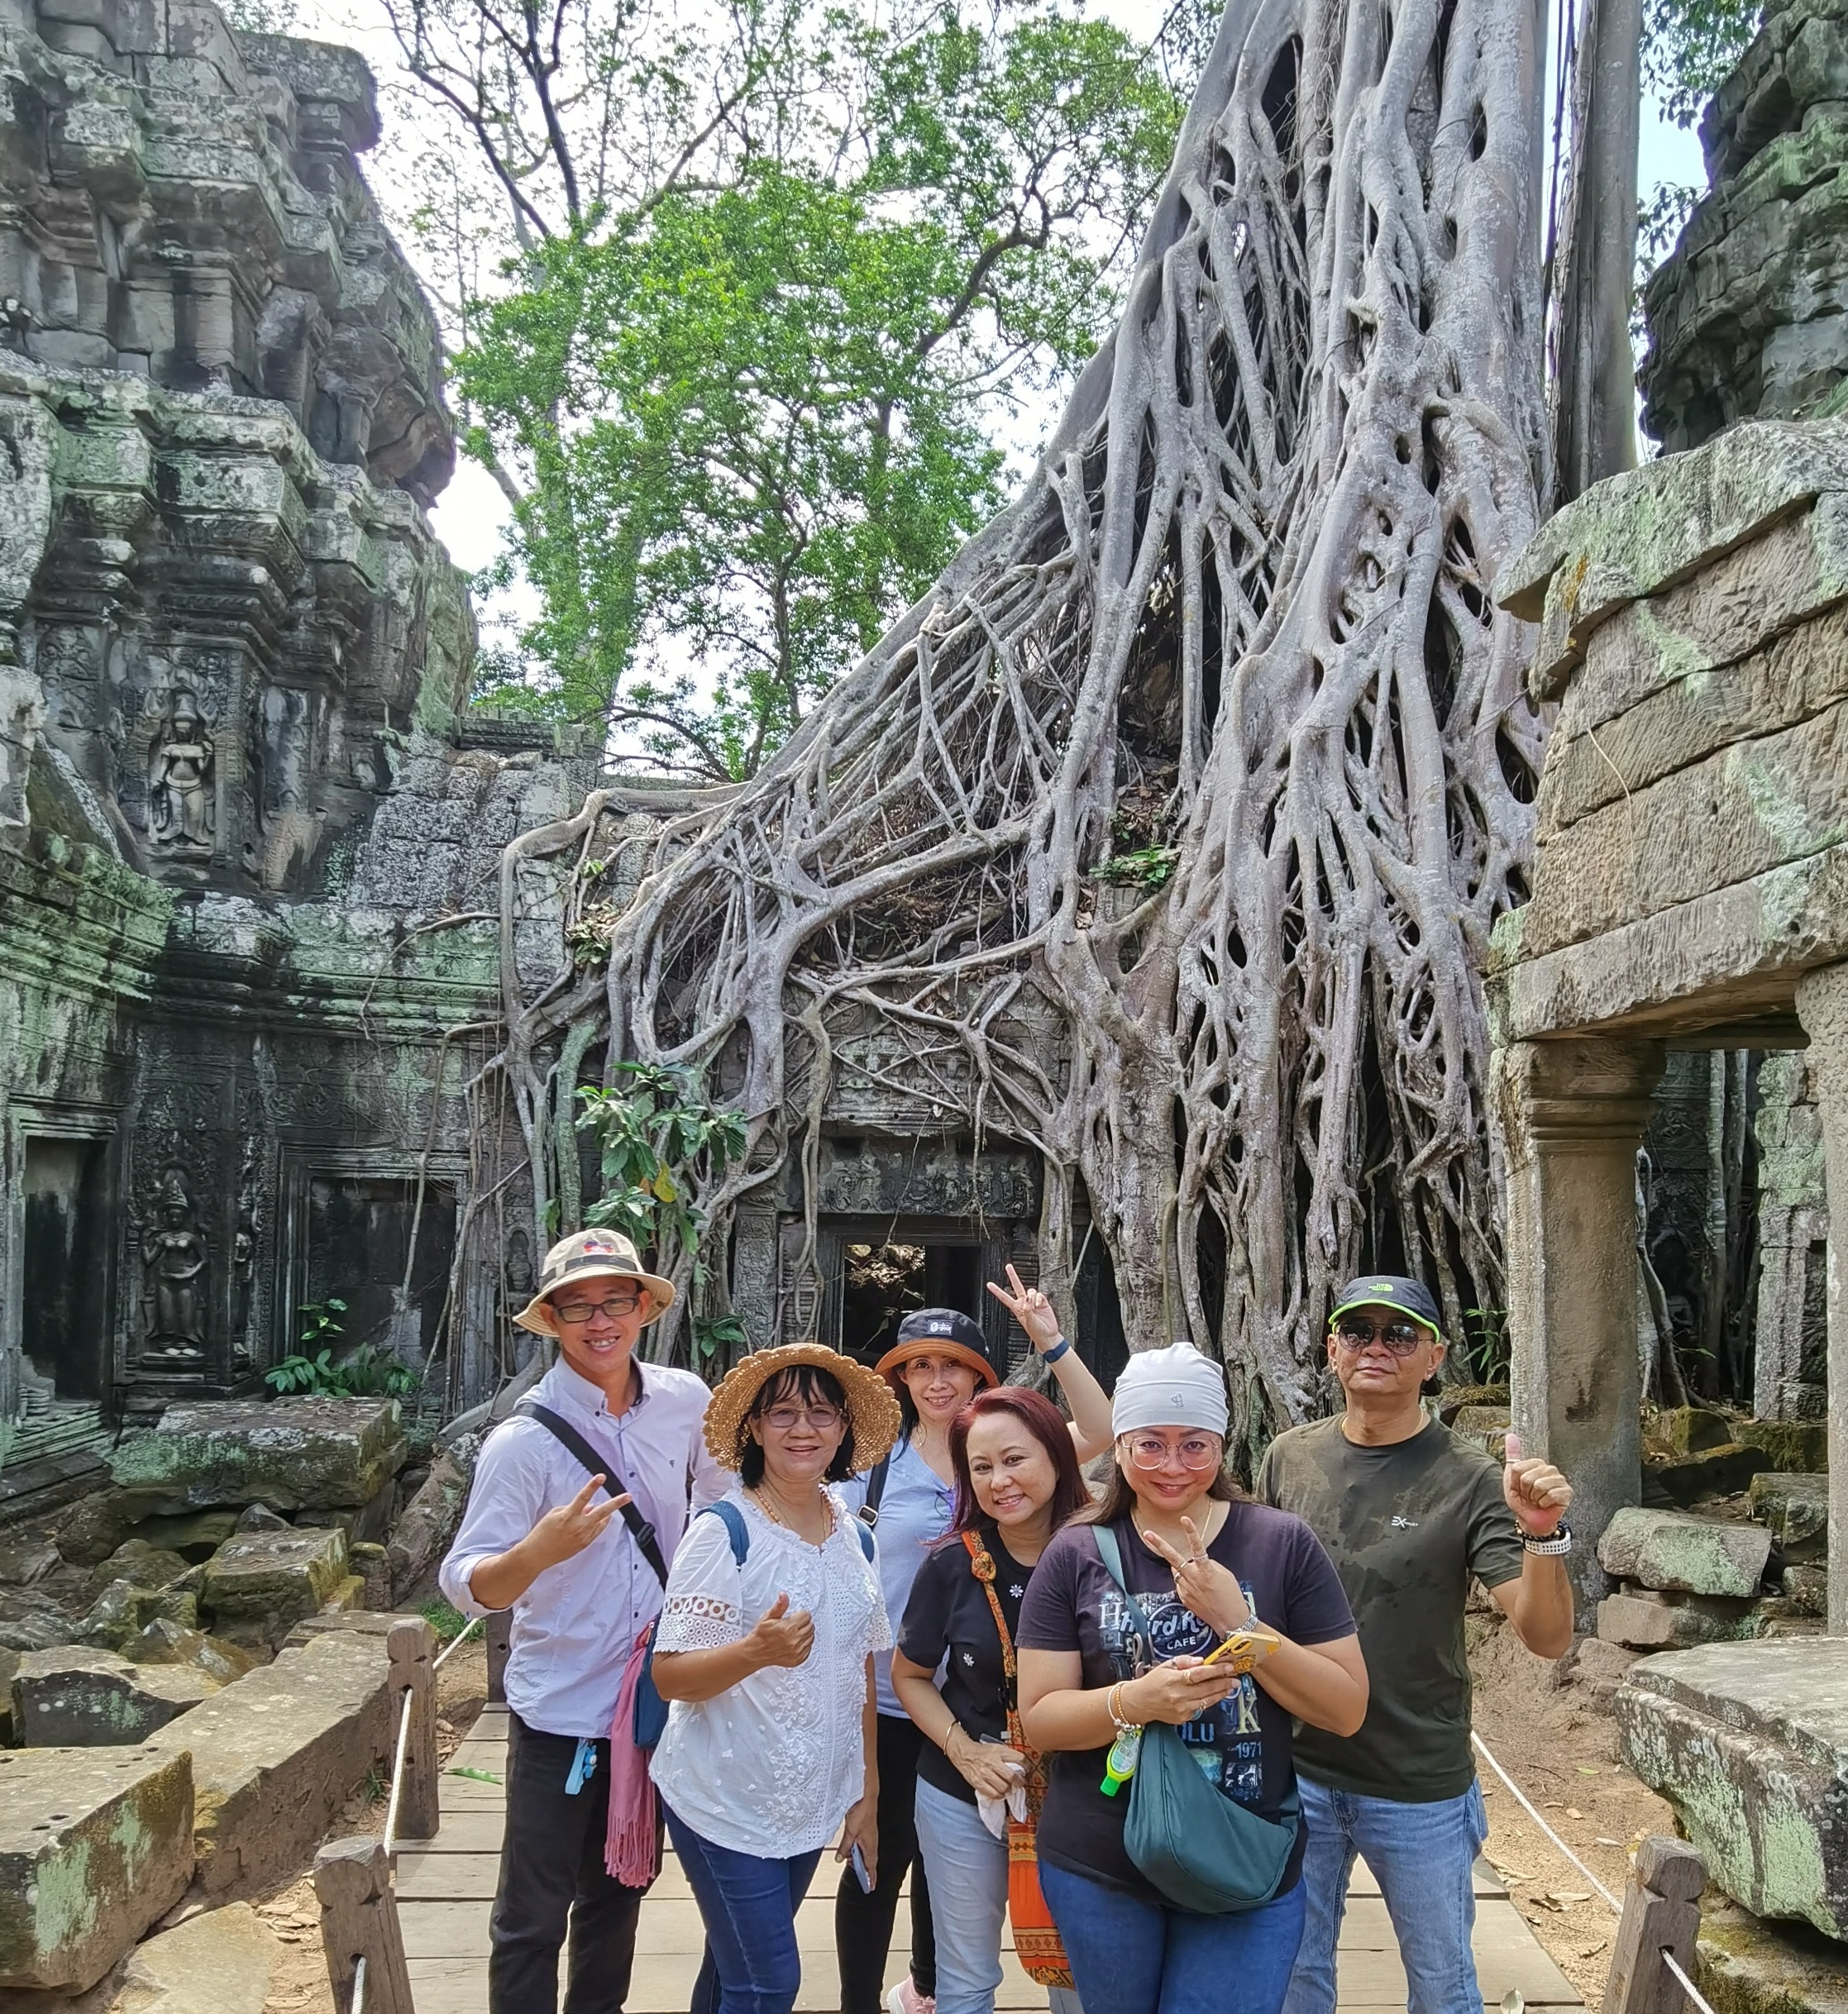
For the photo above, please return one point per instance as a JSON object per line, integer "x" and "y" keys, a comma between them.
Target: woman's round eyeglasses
{"x": 1195, "y": 1451}
{"x": 786, "y": 1419}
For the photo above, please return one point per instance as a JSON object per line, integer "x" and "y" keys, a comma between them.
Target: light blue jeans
{"x": 966, "y": 1867}
{"x": 1422, "y": 1855}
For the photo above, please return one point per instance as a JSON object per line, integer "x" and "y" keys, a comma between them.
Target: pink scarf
{"x": 629, "y": 1846}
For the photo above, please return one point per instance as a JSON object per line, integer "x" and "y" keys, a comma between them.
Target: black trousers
{"x": 863, "y": 1923}
{"x": 553, "y": 1880}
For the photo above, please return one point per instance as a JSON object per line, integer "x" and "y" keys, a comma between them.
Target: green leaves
{"x": 369, "y": 1373}
{"x": 1689, "y": 46}
{"x": 753, "y": 411}
{"x": 661, "y": 1140}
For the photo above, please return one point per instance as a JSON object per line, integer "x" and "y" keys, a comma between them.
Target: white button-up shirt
{"x": 573, "y": 1627}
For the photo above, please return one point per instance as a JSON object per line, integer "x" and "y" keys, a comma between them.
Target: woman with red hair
{"x": 1017, "y": 1481}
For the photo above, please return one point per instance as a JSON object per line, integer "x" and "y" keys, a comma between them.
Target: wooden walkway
{"x": 444, "y": 1889}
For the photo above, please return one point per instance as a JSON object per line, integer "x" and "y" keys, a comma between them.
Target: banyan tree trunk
{"x": 1166, "y": 834}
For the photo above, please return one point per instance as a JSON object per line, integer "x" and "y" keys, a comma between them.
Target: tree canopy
{"x": 768, "y": 292}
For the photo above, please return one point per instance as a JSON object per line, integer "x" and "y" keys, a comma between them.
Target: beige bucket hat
{"x": 586, "y": 1256}
{"x": 871, "y": 1411}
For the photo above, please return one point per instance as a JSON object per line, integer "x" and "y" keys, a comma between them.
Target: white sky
{"x": 471, "y": 513}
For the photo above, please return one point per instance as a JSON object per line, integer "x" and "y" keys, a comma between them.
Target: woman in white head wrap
{"x": 1201, "y": 1560}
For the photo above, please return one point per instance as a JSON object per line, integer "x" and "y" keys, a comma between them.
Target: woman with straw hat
{"x": 765, "y": 1653}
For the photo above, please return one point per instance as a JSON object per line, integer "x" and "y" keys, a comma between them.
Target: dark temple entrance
{"x": 64, "y": 1325}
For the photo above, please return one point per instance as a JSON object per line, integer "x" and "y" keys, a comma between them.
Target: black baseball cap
{"x": 1388, "y": 1290}
{"x": 943, "y": 1325}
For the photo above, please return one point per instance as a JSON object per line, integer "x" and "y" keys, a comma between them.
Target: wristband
{"x": 1058, "y": 1349}
{"x": 1555, "y": 1545}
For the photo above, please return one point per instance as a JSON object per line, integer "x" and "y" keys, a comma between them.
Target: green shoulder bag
{"x": 1206, "y": 1853}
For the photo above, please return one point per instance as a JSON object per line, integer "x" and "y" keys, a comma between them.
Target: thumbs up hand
{"x": 783, "y": 1636}
{"x": 1535, "y": 1491}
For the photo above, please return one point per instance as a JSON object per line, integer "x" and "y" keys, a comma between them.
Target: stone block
{"x": 27, "y": 1560}
{"x": 1747, "y": 1966}
{"x": 1486, "y": 1425}
{"x": 1749, "y": 1742}
{"x": 141, "y": 1564}
{"x": 1795, "y": 1447}
{"x": 1692, "y": 1430}
{"x": 30, "y": 1620}
{"x": 95, "y": 1844}
{"x": 121, "y": 1611}
{"x": 223, "y": 1962}
{"x": 1640, "y": 1624}
{"x": 92, "y": 1699}
{"x": 162, "y": 1642}
{"x": 1715, "y": 1471}
{"x": 423, "y": 1534}
{"x": 1795, "y": 1510}
{"x": 258, "y": 1583}
{"x": 1808, "y": 1589}
{"x": 289, "y": 1454}
{"x": 1671, "y": 1551}
{"x": 277, "y": 1754}
{"x": 1599, "y": 1665}
{"x": 1453, "y": 1398}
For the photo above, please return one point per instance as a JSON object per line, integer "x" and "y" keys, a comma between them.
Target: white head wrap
{"x": 1175, "y": 1386}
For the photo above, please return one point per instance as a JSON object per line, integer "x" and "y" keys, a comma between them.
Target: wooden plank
{"x": 444, "y": 1929}
{"x": 424, "y": 1875}
{"x": 476, "y": 1831}
{"x": 359, "y": 1922}
{"x": 456, "y": 1986}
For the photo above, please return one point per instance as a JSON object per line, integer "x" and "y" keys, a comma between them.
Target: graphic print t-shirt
{"x": 1242, "y": 1744}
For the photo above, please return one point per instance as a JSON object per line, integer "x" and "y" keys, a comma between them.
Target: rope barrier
{"x": 1520, "y": 1798}
{"x": 359, "y": 1985}
{"x": 1687, "y": 1985}
{"x": 462, "y": 1636}
{"x": 1700, "y": 2000}
{"x": 398, "y": 1775}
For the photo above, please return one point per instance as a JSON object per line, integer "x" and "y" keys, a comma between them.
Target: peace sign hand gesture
{"x": 565, "y": 1530}
{"x": 1212, "y": 1591}
{"x": 1031, "y": 1310}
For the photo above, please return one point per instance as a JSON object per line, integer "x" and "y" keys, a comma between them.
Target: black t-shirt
{"x": 948, "y": 1618}
{"x": 1242, "y": 1744}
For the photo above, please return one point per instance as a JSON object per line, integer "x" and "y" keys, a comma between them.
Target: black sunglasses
{"x": 1401, "y": 1338}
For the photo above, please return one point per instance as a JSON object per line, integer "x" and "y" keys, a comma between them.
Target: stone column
{"x": 1571, "y": 1112}
{"x": 1822, "y": 1008}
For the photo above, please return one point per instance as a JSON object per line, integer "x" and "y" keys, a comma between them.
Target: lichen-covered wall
{"x": 249, "y": 841}
{"x": 1749, "y": 317}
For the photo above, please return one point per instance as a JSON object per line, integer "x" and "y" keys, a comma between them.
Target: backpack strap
{"x": 739, "y": 1533}
{"x": 568, "y": 1437}
{"x": 868, "y": 1512}
{"x": 736, "y": 1530}
{"x": 1110, "y": 1550}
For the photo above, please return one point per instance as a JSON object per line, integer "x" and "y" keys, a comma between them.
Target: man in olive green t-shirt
{"x": 1409, "y": 1513}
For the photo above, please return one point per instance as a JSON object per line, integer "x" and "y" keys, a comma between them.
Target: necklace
{"x": 770, "y": 1511}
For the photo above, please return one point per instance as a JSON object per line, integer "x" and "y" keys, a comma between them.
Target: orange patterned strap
{"x": 981, "y": 1565}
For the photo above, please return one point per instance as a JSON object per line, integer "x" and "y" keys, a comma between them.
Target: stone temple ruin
{"x": 1690, "y": 893}
{"x": 249, "y": 839}
{"x": 251, "y": 889}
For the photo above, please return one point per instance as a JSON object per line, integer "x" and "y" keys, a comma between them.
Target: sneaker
{"x": 904, "y": 1998}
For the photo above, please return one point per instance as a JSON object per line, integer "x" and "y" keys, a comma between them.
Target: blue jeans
{"x": 1422, "y": 1855}
{"x": 1130, "y": 1957}
{"x": 966, "y": 1867}
{"x": 748, "y": 1907}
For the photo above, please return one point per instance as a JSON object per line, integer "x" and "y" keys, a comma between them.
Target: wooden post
{"x": 498, "y": 1632}
{"x": 1661, "y": 1912}
{"x": 359, "y": 1919}
{"x": 411, "y": 1645}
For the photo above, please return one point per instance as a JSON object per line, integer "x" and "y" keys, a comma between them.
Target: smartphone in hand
{"x": 859, "y": 1873}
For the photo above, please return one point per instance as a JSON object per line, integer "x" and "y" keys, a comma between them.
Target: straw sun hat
{"x": 872, "y": 1412}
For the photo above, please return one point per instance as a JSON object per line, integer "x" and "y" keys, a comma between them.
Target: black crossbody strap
{"x": 876, "y": 1488}
{"x": 640, "y": 1529}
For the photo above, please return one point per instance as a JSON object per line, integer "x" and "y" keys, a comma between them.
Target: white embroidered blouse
{"x": 770, "y": 1767}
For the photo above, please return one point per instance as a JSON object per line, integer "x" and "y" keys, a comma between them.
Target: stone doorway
{"x": 359, "y": 1234}
{"x": 63, "y": 1328}
{"x": 874, "y": 1271}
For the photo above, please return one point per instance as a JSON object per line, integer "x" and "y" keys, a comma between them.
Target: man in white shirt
{"x": 542, "y": 1536}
